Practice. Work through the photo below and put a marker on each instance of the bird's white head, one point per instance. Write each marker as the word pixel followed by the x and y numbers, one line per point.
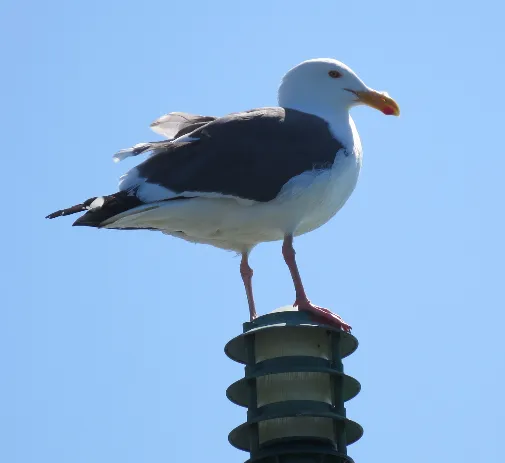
pixel 328 85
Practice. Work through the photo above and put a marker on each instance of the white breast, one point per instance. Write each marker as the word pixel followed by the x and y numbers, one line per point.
pixel 337 184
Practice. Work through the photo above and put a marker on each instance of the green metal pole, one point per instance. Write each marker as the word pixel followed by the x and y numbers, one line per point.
pixel 302 417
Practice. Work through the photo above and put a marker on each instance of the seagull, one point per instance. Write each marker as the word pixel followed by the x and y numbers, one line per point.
pixel 265 174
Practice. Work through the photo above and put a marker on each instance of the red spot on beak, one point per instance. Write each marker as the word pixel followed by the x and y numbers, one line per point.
pixel 388 111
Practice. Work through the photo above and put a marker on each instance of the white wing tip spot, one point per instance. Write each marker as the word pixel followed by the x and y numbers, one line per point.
pixel 97 203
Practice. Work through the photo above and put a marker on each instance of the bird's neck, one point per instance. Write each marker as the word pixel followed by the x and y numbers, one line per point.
pixel 342 127
pixel 341 124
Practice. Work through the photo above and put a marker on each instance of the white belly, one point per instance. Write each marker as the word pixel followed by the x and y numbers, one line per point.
pixel 304 204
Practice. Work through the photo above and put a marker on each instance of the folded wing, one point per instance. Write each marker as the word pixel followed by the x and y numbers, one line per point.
pixel 248 155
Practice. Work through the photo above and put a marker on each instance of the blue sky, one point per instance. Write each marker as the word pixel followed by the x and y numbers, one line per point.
pixel 111 343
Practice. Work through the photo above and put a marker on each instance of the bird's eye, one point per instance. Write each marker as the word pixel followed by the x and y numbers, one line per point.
pixel 334 74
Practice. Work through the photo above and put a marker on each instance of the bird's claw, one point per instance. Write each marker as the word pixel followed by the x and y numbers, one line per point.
pixel 322 314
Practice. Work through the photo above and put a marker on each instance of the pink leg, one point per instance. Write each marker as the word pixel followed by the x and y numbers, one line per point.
pixel 247 274
pixel 302 302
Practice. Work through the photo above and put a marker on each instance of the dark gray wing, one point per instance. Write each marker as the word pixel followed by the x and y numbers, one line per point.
pixel 249 155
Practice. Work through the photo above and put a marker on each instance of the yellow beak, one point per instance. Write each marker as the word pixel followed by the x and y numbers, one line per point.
pixel 381 101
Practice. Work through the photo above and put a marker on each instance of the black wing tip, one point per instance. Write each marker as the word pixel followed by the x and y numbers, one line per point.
pixel 111 205
pixel 86 221
pixel 62 213
pixel 83 221
pixel 69 211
